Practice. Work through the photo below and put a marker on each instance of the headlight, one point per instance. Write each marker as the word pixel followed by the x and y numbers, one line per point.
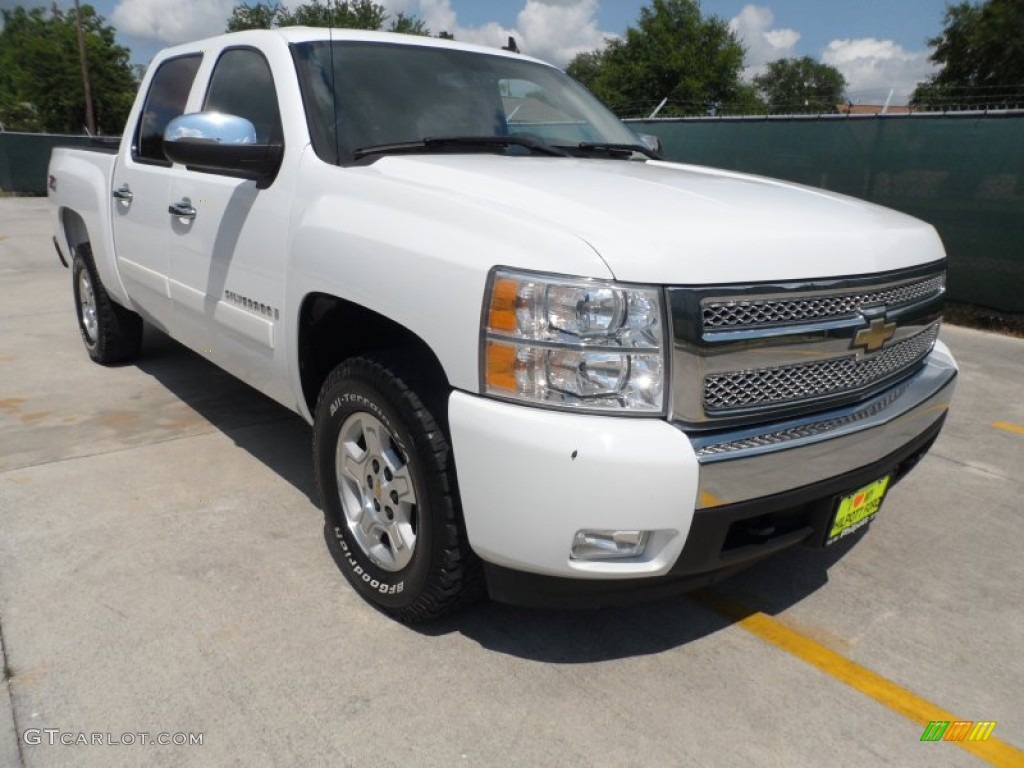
pixel 583 344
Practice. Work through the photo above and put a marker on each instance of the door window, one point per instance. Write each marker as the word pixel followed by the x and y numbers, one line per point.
pixel 168 94
pixel 242 85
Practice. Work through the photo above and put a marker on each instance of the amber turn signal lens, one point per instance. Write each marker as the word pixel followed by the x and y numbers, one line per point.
pixel 501 366
pixel 502 313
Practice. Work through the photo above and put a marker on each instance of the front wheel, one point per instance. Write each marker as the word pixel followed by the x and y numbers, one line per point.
pixel 387 484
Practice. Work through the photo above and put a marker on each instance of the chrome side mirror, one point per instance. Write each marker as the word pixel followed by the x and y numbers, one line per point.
pixel 210 127
pixel 650 141
pixel 212 142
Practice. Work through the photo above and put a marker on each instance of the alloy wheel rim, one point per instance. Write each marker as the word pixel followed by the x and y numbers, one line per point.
pixel 87 306
pixel 377 494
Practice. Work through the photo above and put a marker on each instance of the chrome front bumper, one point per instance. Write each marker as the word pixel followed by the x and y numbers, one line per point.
pixel 755 462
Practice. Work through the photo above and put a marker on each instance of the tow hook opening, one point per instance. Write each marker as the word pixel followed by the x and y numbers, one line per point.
pixel 760 530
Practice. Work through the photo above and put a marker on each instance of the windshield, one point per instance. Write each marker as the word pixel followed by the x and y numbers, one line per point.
pixel 389 94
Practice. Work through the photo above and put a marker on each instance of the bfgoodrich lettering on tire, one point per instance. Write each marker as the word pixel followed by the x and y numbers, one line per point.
pixel 387 486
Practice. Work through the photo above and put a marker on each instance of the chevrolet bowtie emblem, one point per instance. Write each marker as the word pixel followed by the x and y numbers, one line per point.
pixel 874 336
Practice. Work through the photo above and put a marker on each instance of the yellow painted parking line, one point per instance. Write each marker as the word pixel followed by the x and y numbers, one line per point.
pixel 860 678
pixel 1008 427
pixel 708 499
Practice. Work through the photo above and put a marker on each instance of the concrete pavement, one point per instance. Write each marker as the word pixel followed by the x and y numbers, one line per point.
pixel 163 570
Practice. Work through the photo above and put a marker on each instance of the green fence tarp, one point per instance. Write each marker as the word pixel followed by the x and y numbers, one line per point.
pixel 24 158
pixel 964 174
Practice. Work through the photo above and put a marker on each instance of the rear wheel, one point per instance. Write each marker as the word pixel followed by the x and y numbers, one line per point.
pixel 111 333
pixel 387 484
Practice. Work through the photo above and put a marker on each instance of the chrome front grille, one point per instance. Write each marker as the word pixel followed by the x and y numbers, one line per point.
pixel 803 431
pixel 755 353
pixel 777 311
pixel 771 386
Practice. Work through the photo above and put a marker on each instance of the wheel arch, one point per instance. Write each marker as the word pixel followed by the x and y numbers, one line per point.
pixel 76 233
pixel 332 329
pixel 74 228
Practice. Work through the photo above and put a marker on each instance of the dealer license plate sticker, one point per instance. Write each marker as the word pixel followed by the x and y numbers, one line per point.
pixel 857 509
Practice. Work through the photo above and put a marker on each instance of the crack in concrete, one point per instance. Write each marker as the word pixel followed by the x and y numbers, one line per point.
pixel 10 696
pixel 977 467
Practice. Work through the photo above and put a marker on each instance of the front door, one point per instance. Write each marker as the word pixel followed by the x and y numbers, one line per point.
pixel 227 254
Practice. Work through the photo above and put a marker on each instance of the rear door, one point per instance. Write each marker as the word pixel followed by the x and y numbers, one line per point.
pixel 141 190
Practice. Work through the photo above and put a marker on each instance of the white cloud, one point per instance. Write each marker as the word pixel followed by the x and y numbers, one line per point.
pixel 872 67
pixel 558 31
pixel 553 30
pixel 171 21
pixel 753 28
pixel 438 15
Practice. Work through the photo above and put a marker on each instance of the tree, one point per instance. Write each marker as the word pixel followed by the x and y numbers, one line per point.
pixel 345 14
pixel 981 55
pixel 254 16
pixel 409 25
pixel 672 52
pixel 41 77
pixel 747 101
pixel 354 14
pixel 793 86
pixel 587 66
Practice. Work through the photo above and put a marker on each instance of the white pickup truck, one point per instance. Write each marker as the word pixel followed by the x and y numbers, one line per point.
pixel 538 359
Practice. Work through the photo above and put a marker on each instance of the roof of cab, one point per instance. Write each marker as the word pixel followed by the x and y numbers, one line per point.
pixel 311 34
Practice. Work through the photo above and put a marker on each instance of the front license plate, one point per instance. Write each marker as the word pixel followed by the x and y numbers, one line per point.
pixel 857 509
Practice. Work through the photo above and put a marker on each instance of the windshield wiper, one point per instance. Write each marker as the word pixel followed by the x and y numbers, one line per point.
pixel 604 146
pixel 447 142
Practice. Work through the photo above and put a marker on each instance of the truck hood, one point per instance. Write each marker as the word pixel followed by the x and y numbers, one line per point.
pixel 658 222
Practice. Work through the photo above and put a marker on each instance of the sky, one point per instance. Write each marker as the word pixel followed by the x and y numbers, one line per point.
pixel 878 45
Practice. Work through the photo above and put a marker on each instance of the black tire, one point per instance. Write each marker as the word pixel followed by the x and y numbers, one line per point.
pixel 442 573
pixel 111 333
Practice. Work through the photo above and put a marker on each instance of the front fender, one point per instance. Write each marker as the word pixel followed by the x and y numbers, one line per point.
pixel 417 256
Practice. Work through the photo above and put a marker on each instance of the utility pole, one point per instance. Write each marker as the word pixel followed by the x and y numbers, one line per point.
pixel 90 118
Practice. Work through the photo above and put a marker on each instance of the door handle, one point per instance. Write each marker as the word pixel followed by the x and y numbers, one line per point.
pixel 124 193
pixel 183 209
